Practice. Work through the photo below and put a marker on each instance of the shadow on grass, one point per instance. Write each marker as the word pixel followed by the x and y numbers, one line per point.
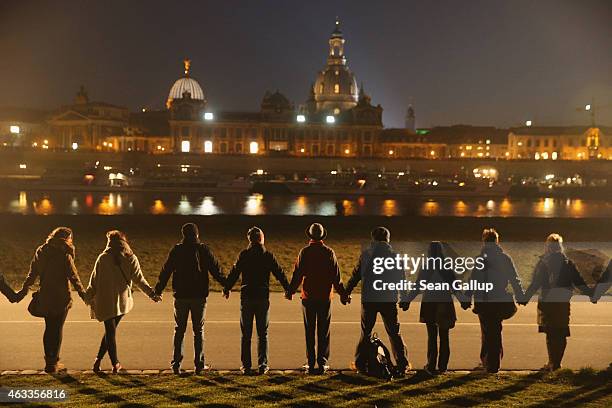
pixel 80 388
pixel 135 382
pixel 594 386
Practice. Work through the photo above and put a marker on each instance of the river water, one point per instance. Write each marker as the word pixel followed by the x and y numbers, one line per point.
pixel 75 203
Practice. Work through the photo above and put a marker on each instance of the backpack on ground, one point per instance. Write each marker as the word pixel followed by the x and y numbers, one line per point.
pixel 379 359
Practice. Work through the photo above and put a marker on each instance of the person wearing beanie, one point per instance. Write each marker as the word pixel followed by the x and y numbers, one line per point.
pixel 254 265
pixel 189 263
pixel 316 269
pixel 374 301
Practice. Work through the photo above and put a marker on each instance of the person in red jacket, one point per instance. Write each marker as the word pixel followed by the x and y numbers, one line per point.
pixel 316 269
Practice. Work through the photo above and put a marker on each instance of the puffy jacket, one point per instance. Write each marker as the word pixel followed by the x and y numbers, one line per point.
pixel 53 264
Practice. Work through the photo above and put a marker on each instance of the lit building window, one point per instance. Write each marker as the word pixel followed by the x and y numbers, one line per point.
pixel 208 116
pixel 336 88
pixel 254 147
pixel 347 151
pixel 433 153
pixel 300 118
pixel 330 119
pixel 391 152
pixel 554 155
pixel 208 147
pixel 75 146
pixel 545 155
pixel 15 129
pixel 537 156
pixel 185 146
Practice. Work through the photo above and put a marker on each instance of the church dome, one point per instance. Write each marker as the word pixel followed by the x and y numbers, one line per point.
pixel 335 88
pixel 184 85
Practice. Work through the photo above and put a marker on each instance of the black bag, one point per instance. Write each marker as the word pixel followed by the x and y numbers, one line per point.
pixel 34 306
pixel 379 359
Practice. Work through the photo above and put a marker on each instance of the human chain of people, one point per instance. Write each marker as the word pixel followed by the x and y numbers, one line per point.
pixel 191 264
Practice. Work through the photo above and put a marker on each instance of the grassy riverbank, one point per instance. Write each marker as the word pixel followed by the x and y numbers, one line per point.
pixel 152 236
pixel 586 388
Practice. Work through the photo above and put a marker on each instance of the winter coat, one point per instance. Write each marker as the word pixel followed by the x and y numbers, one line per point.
pixel 364 272
pixel 317 270
pixel 5 289
pixel 556 276
pixel 255 264
pixel 111 282
pixel 189 264
pixel 436 305
pixel 500 271
pixel 53 264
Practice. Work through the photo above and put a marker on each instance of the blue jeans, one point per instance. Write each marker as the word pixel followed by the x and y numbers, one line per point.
pixel 258 310
pixel 182 309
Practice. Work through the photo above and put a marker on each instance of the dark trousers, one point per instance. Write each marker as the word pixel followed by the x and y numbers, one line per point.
pixel 491 350
pixel 433 358
pixel 388 312
pixel 556 341
pixel 52 338
pixel 109 340
pixel 182 309
pixel 258 310
pixel 317 319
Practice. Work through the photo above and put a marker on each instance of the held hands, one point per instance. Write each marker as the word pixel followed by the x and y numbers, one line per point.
pixel 288 295
pixel 345 299
pixel 466 305
pixel 226 293
pixel 19 296
pixel 157 297
pixel 404 306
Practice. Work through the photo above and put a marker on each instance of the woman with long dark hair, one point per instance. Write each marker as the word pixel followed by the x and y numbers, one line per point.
pixel 437 308
pixel 110 292
pixel 53 265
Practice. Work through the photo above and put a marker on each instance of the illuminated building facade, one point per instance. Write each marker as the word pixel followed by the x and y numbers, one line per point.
pixel 560 143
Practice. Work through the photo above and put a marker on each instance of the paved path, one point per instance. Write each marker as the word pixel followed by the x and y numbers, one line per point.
pixel 145 336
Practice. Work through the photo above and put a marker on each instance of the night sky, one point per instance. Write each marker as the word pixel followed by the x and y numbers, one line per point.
pixel 473 62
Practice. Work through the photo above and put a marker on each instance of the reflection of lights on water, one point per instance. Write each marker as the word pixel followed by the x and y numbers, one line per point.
pixel 361 201
pixel 110 204
pixel 23 199
pixel 349 208
pixel 184 206
pixel 505 207
pixel 44 207
pixel 430 208
pixel 158 207
pixel 545 206
pixel 389 208
pixel 577 208
pixel 89 200
pixel 208 207
pixel 299 206
pixel 254 205
pixel 460 208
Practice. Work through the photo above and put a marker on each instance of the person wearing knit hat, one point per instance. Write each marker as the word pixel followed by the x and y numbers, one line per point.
pixel 317 271
pixel 254 264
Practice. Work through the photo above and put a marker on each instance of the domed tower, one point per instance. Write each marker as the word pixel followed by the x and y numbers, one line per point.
pixel 335 88
pixel 185 87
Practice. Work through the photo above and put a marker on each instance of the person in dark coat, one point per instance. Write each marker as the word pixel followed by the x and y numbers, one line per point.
pixel 556 277
pixel 53 265
pixel 316 269
pixel 255 264
pixel 374 301
pixel 497 305
pixel 603 284
pixel 437 308
pixel 189 263
pixel 7 291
